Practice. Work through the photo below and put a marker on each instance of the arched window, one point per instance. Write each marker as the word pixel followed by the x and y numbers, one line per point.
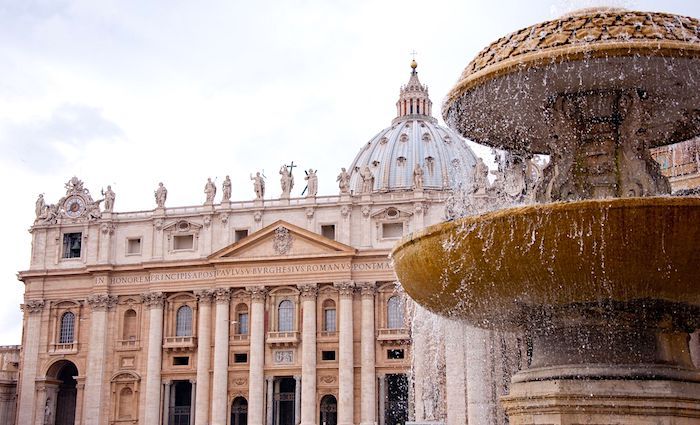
pixel 285 316
pixel 329 324
pixel 126 401
pixel 394 312
pixel 130 330
pixel 329 410
pixel 67 328
pixel 183 322
pixel 242 319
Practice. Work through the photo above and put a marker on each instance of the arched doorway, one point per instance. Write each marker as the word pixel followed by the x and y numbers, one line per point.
pixel 63 372
pixel 239 411
pixel 329 410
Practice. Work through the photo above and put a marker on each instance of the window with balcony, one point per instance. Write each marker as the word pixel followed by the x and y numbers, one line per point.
pixel 329 322
pixel 395 309
pixel 183 321
pixel 285 316
pixel 243 323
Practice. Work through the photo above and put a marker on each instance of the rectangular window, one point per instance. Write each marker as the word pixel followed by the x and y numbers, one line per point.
pixel 240 357
pixel 329 320
pixel 392 230
pixel 181 361
pixel 328 356
pixel 71 245
pixel 183 242
pixel 133 246
pixel 240 234
pixel 328 231
pixel 243 323
pixel 395 354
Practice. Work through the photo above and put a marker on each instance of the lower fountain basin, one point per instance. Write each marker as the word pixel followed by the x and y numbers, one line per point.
pixel 495 270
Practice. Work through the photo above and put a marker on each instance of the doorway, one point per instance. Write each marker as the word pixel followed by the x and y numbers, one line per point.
pixel 180 407
pixel 329 410
pixel 285 389
pixel 239 411
pixel 396 412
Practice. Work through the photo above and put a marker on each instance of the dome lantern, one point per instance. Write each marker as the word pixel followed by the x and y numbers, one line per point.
pixel 413 98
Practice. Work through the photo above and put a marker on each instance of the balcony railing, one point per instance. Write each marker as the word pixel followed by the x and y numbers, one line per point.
pixel 239 339
pixel 128 344
pixel 177 343
pixel 56 348
pixel 394 335
pixel 287 339
pixel 327 335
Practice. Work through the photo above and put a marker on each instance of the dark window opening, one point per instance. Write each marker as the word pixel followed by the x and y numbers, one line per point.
pixel 328 355
pixel 328 231
pixel 240 357
pixel 181 361
pixel 240 234
pixel 71 245
pixel 395 354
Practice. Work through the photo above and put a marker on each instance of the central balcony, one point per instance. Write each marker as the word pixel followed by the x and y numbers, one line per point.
pixel 283 339
pixel 393 336
pixel 179 343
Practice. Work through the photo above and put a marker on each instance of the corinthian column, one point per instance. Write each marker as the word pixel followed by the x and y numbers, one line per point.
pixel 30 356
pixel 308 357
pixel 201 411
pixel 219 385
pixel 256 379
pixel 93 405
pixel 345 356
pixel 154 302
pixel 368 380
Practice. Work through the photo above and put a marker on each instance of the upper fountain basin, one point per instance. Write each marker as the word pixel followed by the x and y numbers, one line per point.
pixel 501 97
pixel 491 269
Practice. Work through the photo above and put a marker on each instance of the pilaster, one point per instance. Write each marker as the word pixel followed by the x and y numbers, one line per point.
pixel 201 402
pixel 154 303
pixel 94 405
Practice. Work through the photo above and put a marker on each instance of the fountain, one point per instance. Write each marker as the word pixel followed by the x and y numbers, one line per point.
pixel 603 274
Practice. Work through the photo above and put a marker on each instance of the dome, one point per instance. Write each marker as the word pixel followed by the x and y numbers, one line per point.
pixel 413 138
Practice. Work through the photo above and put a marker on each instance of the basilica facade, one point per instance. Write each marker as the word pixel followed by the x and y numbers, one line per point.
pixel 275 310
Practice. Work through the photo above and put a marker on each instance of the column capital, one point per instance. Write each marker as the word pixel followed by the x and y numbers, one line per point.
pixel 101 301
pixel 345 288
pixel 204 296
pixel 308 291
pixel 153 299
pixel 367 289
pixel 33 306
pixel 222 295
pixel 257 293
pixel 297 378
pixel 269 379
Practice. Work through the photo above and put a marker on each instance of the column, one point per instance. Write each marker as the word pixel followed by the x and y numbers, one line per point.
pixel 193 398
pixel 30 355
pixel 382 398
pixel 455 368
pixel 167 393
pixel 480 406
pixel 270 398
pixel 93 405
pixel 256 378
pixel 346 373
pixel 308 358
pixel 79 395
pixel 220 380
pixel 368 395
pixel 154 302
pixel 201 402
pixel 297 399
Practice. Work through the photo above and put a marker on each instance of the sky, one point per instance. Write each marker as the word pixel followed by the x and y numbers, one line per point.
pixel 130 93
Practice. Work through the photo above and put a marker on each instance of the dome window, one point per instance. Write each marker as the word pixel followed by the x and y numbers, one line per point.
pixel 383 140
pixel 430 163
pixel 447 139
pixel 455 162
pixel 404 138
pixel 401 160
pixel 375 163
pixel 426 137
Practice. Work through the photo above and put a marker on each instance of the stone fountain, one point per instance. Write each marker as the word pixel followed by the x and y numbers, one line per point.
pixel 603 274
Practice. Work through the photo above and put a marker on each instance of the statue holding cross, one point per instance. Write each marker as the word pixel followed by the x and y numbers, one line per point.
pixel 286 180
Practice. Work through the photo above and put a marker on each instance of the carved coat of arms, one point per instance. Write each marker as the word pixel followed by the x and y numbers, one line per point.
pixel 282 242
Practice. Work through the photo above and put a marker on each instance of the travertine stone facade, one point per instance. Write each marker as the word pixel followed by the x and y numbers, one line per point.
pixel 270 311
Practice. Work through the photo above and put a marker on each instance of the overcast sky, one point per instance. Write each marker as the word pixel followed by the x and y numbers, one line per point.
pixel 130 93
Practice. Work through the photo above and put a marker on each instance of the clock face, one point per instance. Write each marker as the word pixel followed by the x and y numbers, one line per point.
pixel 74 206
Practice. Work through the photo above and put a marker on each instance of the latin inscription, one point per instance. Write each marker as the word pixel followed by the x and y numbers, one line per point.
pixel 244 271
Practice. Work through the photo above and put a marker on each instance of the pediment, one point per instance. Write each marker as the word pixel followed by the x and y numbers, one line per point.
pixel 182 226
pixel 282 240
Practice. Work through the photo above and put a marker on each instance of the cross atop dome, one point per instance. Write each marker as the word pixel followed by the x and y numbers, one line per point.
pixel 413 97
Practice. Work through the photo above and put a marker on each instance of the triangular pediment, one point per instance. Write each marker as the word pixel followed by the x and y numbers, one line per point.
pixel 282 240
